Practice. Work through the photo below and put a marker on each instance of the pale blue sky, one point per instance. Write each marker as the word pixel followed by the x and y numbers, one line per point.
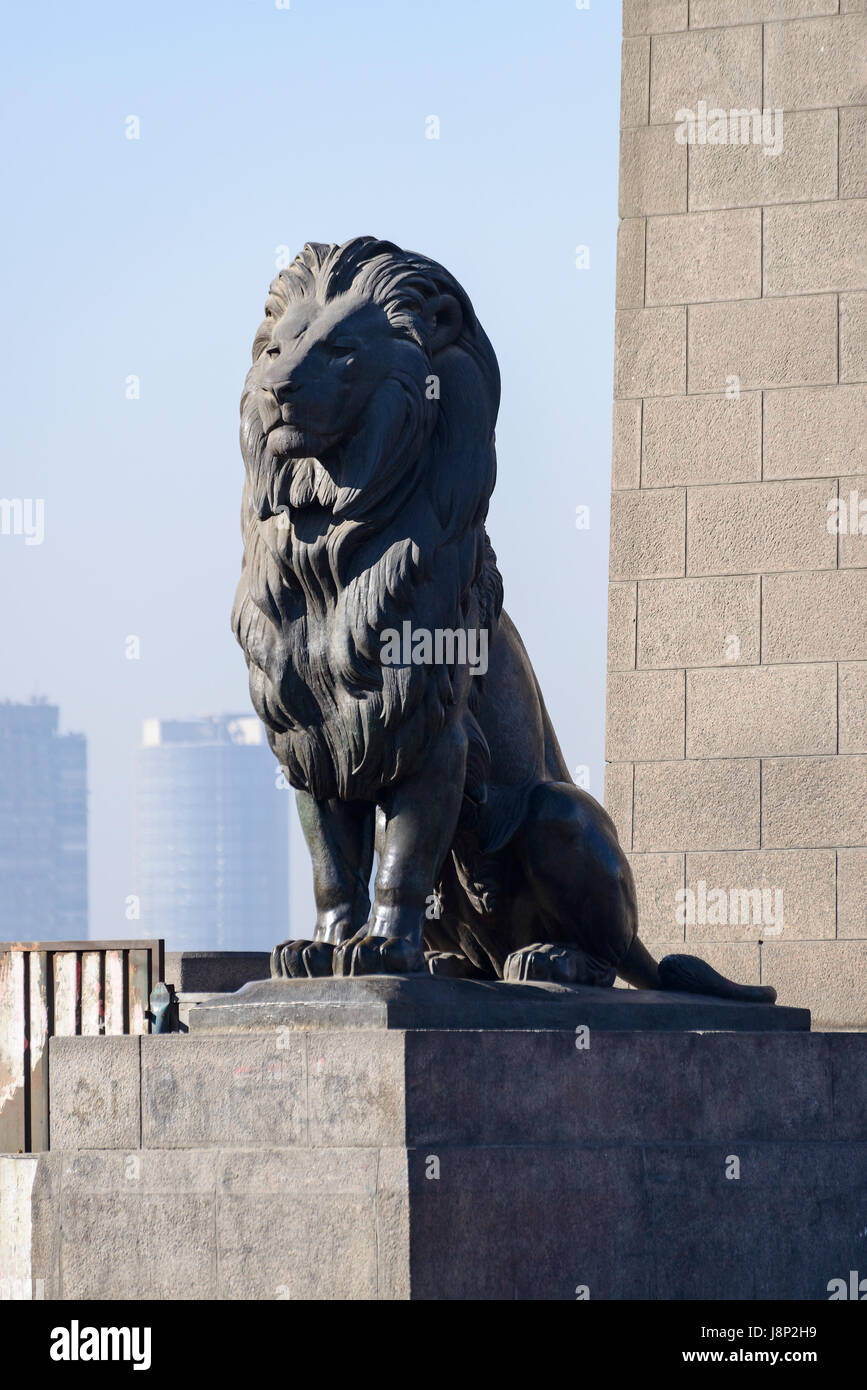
pixel 264 127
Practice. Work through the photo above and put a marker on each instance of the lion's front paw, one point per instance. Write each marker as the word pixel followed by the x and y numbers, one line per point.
pixel 546 962
pixel 378 955
pixel 301 960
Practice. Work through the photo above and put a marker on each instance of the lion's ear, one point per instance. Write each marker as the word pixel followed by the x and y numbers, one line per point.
pixel 444 319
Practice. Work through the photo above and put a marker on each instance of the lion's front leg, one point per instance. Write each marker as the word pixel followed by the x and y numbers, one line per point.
pixel 339 835
pixel 416 832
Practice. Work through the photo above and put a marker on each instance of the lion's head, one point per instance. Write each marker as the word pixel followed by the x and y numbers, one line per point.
pixel 365 353
pixel 367 430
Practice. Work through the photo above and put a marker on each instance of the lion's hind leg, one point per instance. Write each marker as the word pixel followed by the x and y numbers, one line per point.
pixel 453 965
pixel 581 890
pixel 554 963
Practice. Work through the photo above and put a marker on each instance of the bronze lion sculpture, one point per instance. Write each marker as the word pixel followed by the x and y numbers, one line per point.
pixel 367 432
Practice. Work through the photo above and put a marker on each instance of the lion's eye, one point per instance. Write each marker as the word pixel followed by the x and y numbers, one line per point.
pixel 272 351
pixel 340 349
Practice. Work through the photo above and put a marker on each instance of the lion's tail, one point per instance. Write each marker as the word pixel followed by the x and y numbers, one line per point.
pixel 687 975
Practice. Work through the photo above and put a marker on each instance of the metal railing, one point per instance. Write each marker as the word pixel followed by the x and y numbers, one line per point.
pixel 63 988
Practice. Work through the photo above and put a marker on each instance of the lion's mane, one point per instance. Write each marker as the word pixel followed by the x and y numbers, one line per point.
pixel 330 562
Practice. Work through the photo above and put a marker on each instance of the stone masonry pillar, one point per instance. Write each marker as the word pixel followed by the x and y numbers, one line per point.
pixel 737 644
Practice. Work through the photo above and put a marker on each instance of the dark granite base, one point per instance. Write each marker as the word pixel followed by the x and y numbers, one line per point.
pixel 427 1001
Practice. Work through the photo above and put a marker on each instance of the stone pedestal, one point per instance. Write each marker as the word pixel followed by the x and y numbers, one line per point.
pixel 423 1002
pixel 316 1158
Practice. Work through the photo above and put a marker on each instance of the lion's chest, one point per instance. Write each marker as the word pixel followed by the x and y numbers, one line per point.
pixel 342 713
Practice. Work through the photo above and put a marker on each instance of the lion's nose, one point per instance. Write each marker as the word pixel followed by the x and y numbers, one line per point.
pixel 280 384
pixel 283 389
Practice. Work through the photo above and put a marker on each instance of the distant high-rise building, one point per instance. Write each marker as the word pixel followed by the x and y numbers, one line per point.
pixel 43 826
pixel 212 835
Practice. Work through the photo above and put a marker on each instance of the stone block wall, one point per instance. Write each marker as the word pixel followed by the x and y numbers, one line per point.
pixel 737 687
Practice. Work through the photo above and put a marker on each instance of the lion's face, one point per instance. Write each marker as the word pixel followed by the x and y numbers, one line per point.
pixel 322 368
pixel 367 431
pixel 369 361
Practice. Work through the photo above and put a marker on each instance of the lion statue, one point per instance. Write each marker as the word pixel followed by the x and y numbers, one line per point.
pixel 367 432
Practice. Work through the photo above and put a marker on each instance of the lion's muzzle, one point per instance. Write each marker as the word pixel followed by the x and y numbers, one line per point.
pixel 269 410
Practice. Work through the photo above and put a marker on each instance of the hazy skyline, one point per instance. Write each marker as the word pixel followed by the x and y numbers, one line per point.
pixel 149 258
